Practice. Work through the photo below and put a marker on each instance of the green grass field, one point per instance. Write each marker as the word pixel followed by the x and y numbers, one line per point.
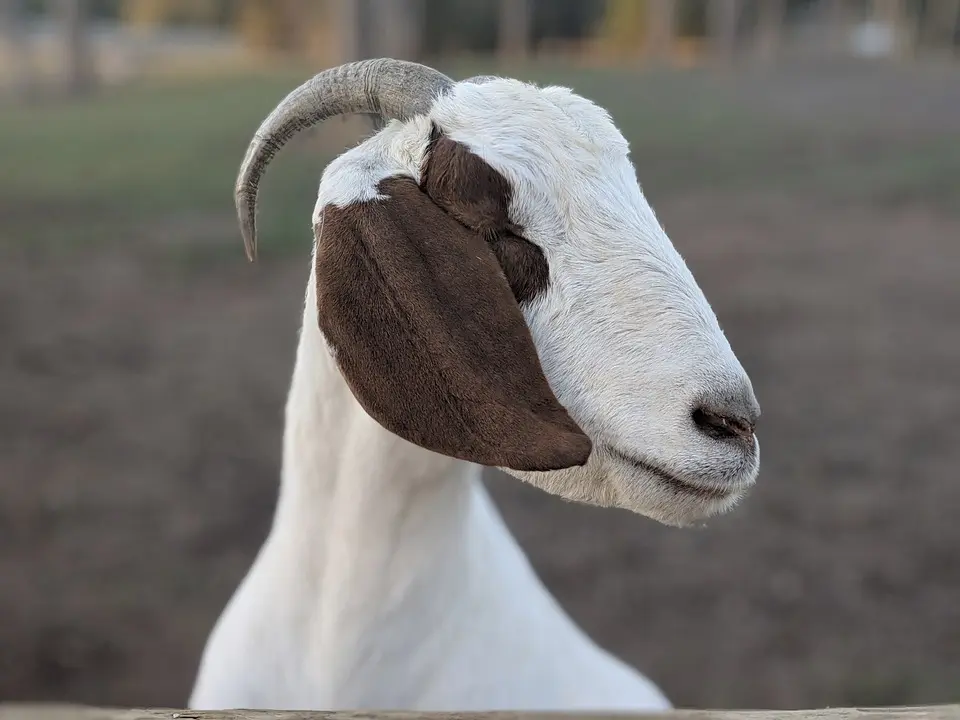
pixel 94 171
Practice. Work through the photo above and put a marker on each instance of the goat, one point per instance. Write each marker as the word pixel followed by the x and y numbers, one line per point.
pixel 489 287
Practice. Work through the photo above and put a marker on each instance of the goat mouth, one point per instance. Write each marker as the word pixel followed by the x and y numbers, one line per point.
pixel 670 480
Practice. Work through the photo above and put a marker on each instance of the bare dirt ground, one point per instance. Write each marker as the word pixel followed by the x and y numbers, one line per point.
pixel 140 423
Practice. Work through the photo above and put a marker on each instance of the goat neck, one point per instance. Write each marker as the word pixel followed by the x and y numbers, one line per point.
pixel 390 580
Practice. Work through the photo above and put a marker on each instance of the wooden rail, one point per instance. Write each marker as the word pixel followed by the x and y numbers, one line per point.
pixel 32 711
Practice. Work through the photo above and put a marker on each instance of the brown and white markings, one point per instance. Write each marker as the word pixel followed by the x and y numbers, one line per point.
pixel 489 287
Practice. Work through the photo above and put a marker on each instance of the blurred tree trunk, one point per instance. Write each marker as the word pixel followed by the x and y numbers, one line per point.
pixel 80 76
pixel 940 23
pixel 272 25
pixel 354 27
pixel 396 28
pixel 292 18
pixel 625 26
pixel 258 24
pixel 143 13
pixel 16 46
pixel 893 14
pixel 151 13
pixel 513 28
pixel 205 12
pixel 722 19
pixel 661 29
pixel 350 19
pixel 772 15
pixel 837 17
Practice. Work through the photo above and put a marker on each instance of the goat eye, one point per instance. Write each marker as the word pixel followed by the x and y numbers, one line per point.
pixel 523 264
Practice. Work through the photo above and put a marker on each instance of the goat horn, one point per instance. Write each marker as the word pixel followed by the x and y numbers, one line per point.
pixel 387 88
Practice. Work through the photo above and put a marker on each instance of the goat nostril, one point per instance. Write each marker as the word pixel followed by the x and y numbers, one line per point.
pixel 721 427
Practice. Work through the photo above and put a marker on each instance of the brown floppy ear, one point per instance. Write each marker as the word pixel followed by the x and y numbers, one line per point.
pixel 429 337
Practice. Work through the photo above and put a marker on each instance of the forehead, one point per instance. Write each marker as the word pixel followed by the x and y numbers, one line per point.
pixel 566 162
pixel 520 119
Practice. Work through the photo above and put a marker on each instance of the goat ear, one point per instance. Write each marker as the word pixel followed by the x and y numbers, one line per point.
pixel 427 333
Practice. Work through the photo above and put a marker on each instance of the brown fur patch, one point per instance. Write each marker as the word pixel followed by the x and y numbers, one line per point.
pixel 426 329
pixel 479 197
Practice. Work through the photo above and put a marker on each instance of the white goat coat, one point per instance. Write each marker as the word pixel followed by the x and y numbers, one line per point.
pixel 389 580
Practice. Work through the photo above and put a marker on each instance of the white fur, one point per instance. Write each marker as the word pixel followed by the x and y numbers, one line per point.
pixel 389 579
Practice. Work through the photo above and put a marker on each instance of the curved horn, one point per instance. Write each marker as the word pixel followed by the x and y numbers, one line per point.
pixel 390 89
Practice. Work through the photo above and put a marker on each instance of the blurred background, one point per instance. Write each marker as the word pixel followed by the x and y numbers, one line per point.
pixel 804 156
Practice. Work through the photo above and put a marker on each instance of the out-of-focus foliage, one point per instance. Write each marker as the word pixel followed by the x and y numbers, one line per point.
pixel 173 12
pixel 465 25
pixel 624 23
pixel 471 25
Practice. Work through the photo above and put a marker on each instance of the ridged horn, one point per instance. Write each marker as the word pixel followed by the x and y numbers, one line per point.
pixel 390 89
